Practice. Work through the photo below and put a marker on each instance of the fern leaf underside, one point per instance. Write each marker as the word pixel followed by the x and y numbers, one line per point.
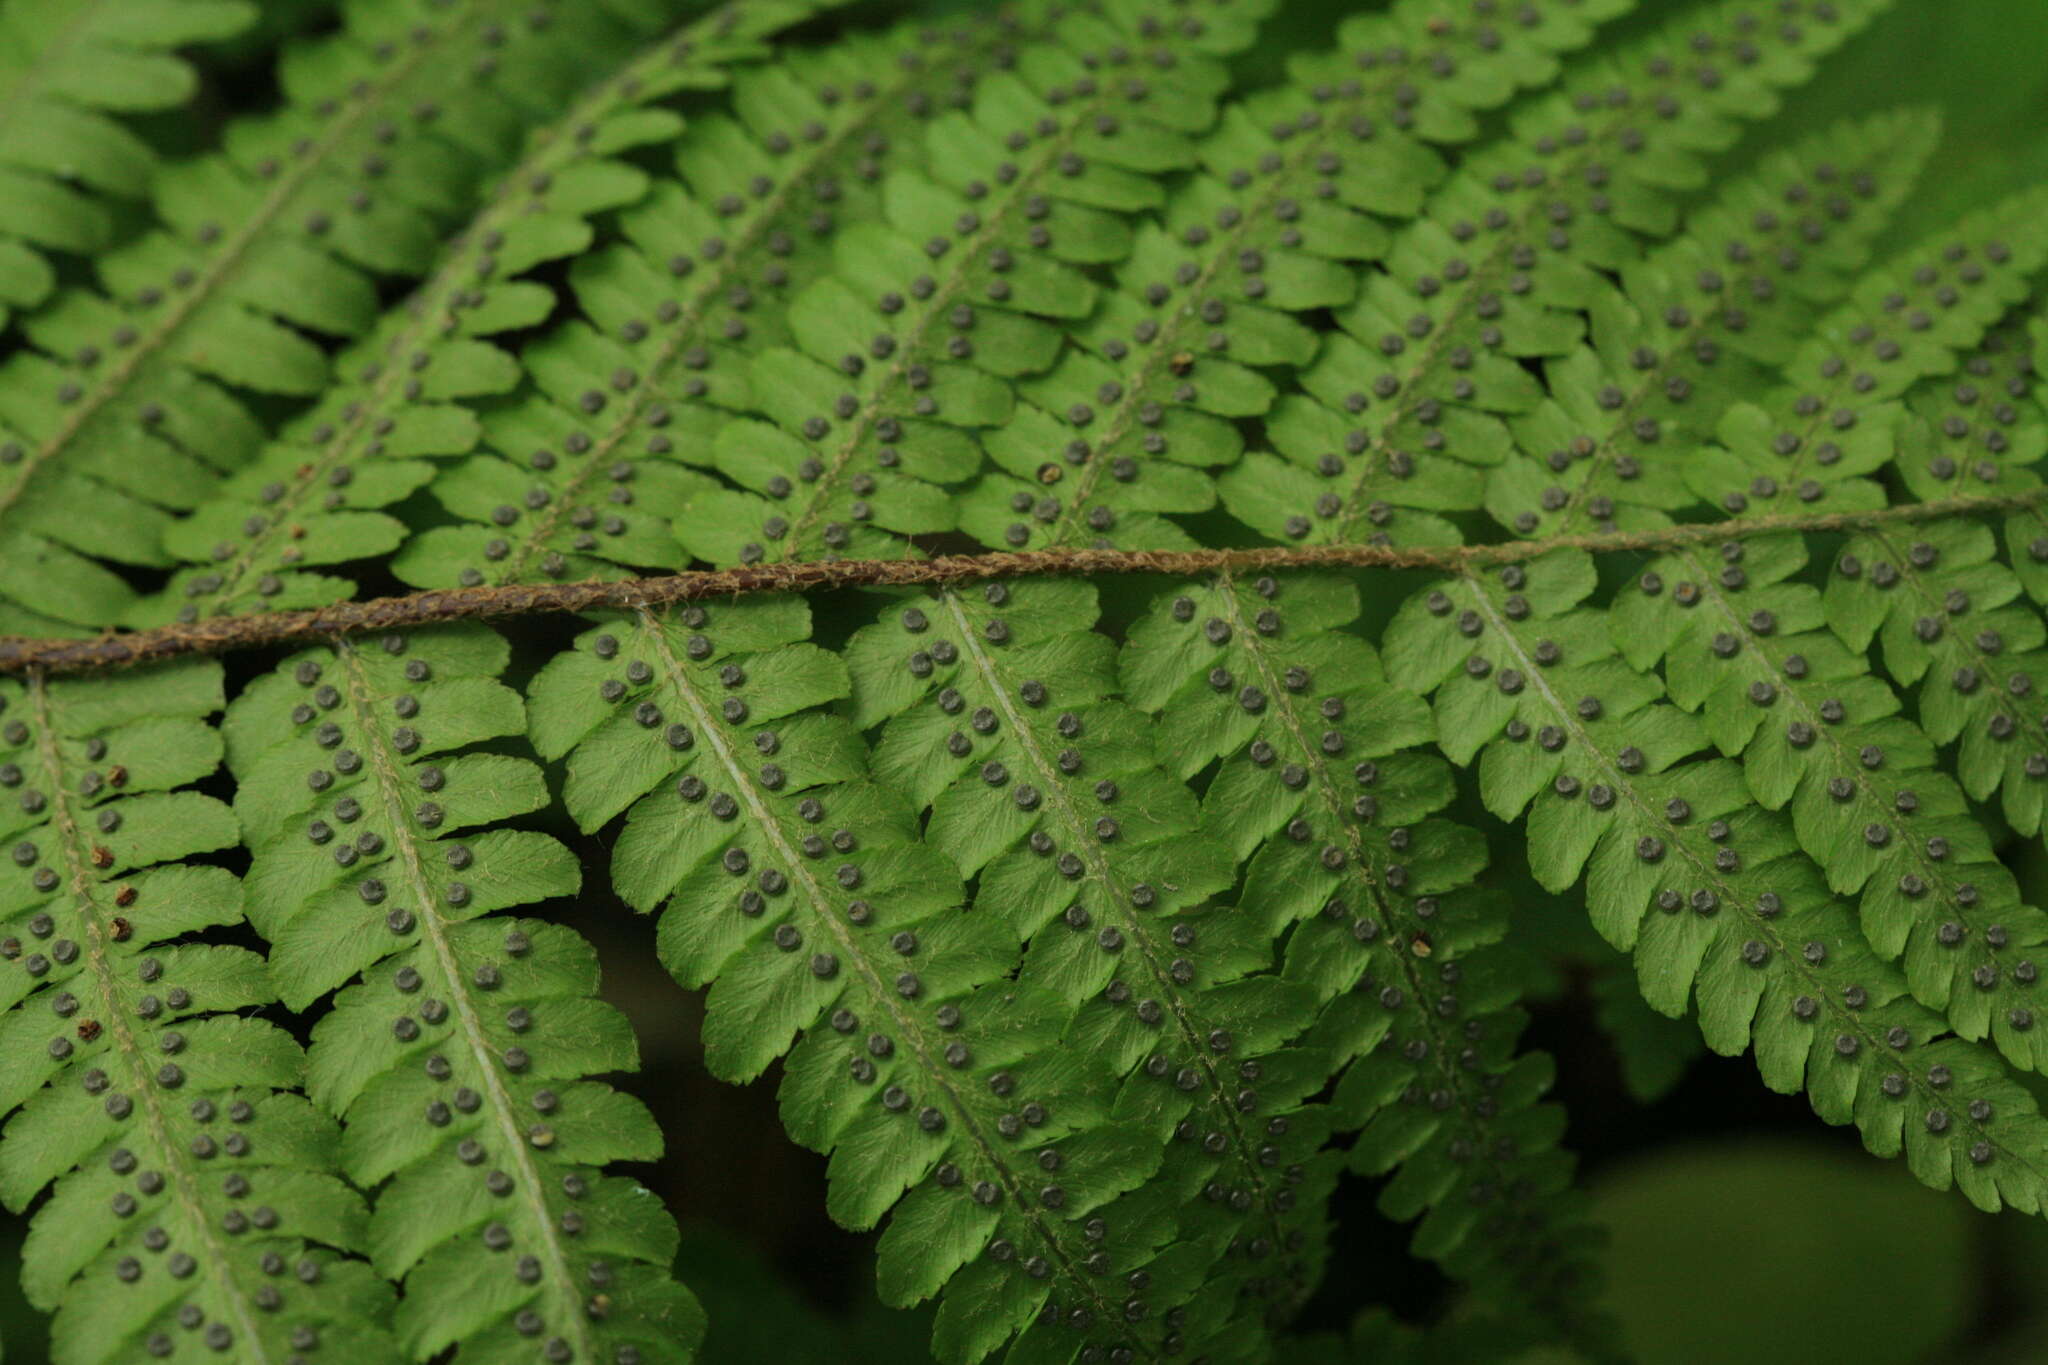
pixel 1097 928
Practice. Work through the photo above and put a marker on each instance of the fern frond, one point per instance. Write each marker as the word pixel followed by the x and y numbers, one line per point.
pixel 1698 325
pixel 1325 790
pixel 674 313
pixel 1955 619
pixel 910 344
pixel 1984 427
pixel 1838 421
pixel 195 1211
pixel 1817 734
pixel 1685 869
pixel 1496 269
pixel 316 497
pixel 798 891
pixel 122 415
pixel 1294 188
pixel 1000 720
pixel 66 73
pixel 458 1055
pixel 1101 907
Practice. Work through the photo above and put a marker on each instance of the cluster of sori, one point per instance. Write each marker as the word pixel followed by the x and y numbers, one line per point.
pixel 1097 924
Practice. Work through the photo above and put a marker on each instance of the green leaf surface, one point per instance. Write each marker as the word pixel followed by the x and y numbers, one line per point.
pixel 131 1076
pixel 456 1047
pixel 1100 910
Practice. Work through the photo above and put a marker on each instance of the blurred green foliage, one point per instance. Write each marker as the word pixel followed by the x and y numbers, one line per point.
pixel 1784 1250
pixel 757 1316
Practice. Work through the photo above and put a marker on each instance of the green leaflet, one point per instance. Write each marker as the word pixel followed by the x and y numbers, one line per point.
pixel 188 1179
pixel 1496 269
pixel 121 416
pixel 457 1046
pixel 1124 428
pixel 1324 789
pixel 318 497
pixel 1821 737
pixel 797 891
pixel 584 472
pixel 1983 428
pixel 908 346
pixel 1052 795
pixel 1951 616
pixel 1839 420
pixel 67 72
pixel 1699 323
pixel 1708 889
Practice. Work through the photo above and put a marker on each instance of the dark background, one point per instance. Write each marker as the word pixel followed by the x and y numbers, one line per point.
pixel 1737 1219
